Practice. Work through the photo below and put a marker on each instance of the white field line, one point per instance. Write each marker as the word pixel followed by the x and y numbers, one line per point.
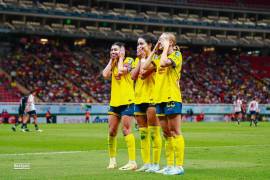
pixel 76 152
pixel 43 153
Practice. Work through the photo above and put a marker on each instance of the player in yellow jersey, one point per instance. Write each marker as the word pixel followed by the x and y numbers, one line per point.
pixel 121 104
pixel 144 110
pixel 167 96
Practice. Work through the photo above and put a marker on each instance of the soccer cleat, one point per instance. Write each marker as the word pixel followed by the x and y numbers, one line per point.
pixel 39 130
pixel 174 171
pixel 144 168
pixel 25 130
pixel 161 171
pixel 13 128
pixel 131 165
pixel 153 168
pixel 112 164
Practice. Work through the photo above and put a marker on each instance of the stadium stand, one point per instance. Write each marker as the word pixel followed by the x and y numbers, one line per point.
pixel 33 71
pixel 223 79
pixel 105 19
pixel 8 89
pixel 70 74
pixel 66 73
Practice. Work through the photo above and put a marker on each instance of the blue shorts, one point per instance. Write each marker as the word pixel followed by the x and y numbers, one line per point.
pixel 127 110
pixel 253 112
pixel 140 109
pixel 168 108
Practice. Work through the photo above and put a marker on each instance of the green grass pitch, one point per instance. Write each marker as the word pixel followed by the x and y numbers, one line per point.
pixel 79 151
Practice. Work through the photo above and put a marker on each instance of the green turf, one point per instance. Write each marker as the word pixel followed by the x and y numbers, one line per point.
pixel 213 151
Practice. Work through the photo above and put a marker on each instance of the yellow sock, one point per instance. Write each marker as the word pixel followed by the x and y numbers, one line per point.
pixel 169 151
pixel 130 140
pixel 179 150
pixel 112 144
pixel 156 143
pixel 145 145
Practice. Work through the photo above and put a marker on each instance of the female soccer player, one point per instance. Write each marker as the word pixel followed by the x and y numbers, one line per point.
pixel 167 97
pixel 121 104
pixel 144 110
pixel 253 109
pixel 30 111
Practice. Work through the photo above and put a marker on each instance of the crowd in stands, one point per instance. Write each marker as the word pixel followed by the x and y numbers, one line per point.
pixel 81 71
pixel 64 73
pixel 219 79
pixel 8 88
pixel 30 62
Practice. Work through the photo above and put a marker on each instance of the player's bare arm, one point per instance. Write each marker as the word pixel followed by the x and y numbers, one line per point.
pixel 148 63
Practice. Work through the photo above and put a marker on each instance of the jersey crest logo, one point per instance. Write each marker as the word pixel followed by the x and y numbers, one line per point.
pixel 156 56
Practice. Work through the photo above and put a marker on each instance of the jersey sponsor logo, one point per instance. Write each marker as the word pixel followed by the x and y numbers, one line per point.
pixel 156 56
pixel 170 104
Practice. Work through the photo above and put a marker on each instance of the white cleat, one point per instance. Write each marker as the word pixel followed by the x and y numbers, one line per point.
pixel 112 164
pixel 161 171
pixel 144 168
pixel 153 169
pixel 131 165
pixel 39 130
pixel 174 171
pixel 25 130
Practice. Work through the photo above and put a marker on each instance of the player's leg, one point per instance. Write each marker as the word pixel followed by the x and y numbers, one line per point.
pixel 251 119
pixel 256 119
pixel 113 122
pixel 144 138
pixel 18 121
pixel 174 122
pixel 25 119
pixel 239 118
pixel 169 152
pixel 169 147
pixel 34 115
pixel 173 114
pixel 154 128
pixel 130 141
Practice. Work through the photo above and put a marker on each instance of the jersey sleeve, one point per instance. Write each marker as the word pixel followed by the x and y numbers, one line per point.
pixel 176 58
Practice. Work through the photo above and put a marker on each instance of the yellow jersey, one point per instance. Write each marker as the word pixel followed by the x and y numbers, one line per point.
pixel 122 88
pixel 144 87
pixel 167 87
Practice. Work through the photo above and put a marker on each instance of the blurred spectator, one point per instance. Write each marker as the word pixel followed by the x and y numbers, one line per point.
pixel 5 116
pixel 190 115
pixel 87 116
pixel 200 117
pixel 48 117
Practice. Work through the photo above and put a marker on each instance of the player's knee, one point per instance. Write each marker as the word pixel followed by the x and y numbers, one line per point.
pixel 166 133
pixel 112 132
pixel 153 121
pixel 151 117
pixel 175 131
pixel 126 130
